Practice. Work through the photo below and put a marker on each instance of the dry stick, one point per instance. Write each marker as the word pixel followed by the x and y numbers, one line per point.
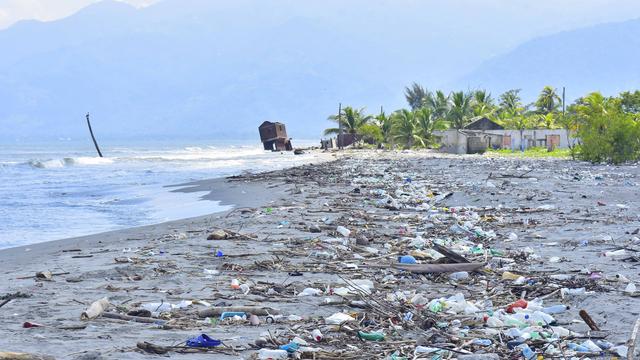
pixel 588 320
pixel 140 319
pixel 633 340
pixel 5 302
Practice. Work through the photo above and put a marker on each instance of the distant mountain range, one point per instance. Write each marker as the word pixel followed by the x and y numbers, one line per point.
pixel 603 58
pixel 217 69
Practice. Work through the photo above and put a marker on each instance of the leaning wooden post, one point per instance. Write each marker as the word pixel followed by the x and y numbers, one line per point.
pixel 340 136
pixel 95 143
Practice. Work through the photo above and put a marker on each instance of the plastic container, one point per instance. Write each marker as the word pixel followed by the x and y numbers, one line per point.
pixel 522 303
pixel 540 318
pixel 343 231
pixel 228 314
pixel 555 309
pixel 407 259
pixel 460 275
pixel 235 284
pixel 269 354
pixel 482 342
pixel 316 335
pixel 527 352
pixel 373 336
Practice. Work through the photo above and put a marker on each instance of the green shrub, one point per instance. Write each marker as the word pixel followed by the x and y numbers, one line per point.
pixel 609 137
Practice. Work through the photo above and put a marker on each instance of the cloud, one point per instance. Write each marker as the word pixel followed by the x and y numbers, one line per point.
pixel 12 11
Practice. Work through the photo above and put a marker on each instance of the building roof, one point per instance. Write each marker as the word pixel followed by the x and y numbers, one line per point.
pixel 268 123
pixel 483 123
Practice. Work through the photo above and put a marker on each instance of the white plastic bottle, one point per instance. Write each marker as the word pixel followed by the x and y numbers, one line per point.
pixel 269 354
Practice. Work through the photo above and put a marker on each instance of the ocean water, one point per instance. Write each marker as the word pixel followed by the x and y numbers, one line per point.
pixel 62 189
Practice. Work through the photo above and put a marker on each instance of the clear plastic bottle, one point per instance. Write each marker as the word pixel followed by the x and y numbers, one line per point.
pixel 493 321
pixel 266 354
pixel 527 352
pixel 555 309
pixel 540 318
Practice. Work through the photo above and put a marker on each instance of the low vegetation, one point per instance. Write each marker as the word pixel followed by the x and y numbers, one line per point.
pixel 601 129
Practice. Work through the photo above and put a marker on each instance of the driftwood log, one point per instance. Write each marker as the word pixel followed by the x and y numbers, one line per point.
pixel 23 356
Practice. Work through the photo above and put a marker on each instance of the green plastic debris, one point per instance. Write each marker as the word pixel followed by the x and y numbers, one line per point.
pixel 396 356
pixel 436 306
pixel 495 252
pixel 373 336
pixel 268 210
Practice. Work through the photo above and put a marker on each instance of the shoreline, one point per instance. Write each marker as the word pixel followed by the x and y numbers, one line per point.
pixel 289 240
pixel 218 189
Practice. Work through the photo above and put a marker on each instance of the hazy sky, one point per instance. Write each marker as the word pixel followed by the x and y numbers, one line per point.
pixel 553 15
pixel 46 10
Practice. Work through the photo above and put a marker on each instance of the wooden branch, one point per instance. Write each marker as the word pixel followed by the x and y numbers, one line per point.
pixel 633 340
pixel 255 310
pixel 139 319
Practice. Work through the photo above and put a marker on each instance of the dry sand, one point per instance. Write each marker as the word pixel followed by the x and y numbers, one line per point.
pixel 168 260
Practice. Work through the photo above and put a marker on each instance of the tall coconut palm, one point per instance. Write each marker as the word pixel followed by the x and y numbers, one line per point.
pixel 459 109
pixel 386 125
pixel 482 103
pixel 438 103
pixel 351 120
pixel 416 95
pixel 510 102
pixel 548 101
pixel 405 128
pixel 427 123
pixel 547 121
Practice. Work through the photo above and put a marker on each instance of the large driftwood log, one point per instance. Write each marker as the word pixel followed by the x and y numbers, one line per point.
pixel 23 356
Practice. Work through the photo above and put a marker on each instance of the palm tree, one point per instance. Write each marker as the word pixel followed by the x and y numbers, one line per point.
pixel 547 120
pixel 460 109
pixel 405 128
pixel 386 125
pixel 510 102
pixel 351 120
pixel 427 123
pixel 438 103
pixel 416 95
pixel 548 101
pixel 482 103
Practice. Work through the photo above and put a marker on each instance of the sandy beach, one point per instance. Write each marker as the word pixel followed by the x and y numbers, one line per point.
pixel 284 235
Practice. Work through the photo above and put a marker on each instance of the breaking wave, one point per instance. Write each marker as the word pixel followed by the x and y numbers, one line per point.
pixel 59 163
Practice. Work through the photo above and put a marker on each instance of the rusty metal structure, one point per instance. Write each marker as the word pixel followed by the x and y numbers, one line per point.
pixel 274 136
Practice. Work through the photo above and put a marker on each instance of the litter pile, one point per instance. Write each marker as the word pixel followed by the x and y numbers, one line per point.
pixel 386 258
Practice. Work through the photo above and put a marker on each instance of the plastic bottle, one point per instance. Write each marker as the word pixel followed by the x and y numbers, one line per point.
pixel 511 321
pixel 540 318
pixel 235 284
pixel 343 231
pixel 493 321
pixel 269 354
pixel 578 348
pixel 290 347
pixel 483 342
pixel 555 309
pixel 373 336
pixel 317 335
pixel 460 275
pixel 228 314
pixel 527 352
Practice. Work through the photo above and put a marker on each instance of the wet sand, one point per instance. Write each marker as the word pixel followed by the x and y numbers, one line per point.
pixel 586 211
